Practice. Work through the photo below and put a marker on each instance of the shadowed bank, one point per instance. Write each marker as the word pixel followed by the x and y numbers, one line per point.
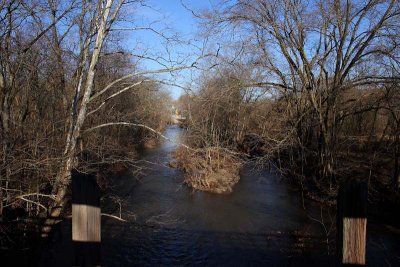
pixel 262 223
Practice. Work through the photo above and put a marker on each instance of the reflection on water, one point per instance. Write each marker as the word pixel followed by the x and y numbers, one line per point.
pixel 262 223
pixel 254 225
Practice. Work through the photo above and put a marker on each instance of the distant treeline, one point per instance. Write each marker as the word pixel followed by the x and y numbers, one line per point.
pixel 312 86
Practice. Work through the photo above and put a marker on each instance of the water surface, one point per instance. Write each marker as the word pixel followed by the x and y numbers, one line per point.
pixel 263 222
pixel 260 223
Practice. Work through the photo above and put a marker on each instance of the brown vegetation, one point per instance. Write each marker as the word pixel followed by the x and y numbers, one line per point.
pixel 311 86
pixel 210 169
pixel 323 81
pixel 65 89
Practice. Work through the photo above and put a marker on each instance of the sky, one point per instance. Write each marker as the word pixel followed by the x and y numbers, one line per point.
pixel 163 14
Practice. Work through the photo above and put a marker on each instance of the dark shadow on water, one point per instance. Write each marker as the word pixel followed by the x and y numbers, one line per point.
pixel 262 223
pixel 134 244
pixel 168 246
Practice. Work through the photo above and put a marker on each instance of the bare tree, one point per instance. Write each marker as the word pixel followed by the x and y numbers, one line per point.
pixel 17 59
pixel 102 17
pixel 311 53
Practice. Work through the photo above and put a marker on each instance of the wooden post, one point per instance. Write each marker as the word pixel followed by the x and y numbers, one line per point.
pixel 352 223
pixel 86 220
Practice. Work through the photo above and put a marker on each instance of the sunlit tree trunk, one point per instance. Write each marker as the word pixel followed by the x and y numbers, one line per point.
pixel 64 177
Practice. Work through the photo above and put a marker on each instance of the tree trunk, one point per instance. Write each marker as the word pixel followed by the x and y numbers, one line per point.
pixel 64 177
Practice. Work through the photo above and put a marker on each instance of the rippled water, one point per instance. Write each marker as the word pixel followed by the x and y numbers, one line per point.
pixel 262 223
pixel 254 225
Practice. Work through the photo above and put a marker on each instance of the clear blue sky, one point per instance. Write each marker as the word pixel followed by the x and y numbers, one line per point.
pixel 165 13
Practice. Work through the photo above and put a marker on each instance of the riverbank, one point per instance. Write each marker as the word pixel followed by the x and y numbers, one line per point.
pixel 361 161
pixel 21 222
pixel 264 221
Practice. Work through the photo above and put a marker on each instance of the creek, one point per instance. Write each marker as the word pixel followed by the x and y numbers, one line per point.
pixel 263 222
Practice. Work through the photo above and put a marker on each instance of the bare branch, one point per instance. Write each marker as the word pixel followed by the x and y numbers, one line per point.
pixel 129 124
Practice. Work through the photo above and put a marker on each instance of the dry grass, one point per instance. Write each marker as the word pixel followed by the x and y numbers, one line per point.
pixel 210 169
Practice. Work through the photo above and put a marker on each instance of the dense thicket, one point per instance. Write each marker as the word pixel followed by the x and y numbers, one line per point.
pixel 314 83
pixel 60 78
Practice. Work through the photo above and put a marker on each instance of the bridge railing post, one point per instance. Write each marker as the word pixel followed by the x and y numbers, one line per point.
pixel 86 220
pixel 352 223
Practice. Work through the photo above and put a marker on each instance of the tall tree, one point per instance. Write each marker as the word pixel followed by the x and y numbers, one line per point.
pixel 312 52
pixel 101 20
